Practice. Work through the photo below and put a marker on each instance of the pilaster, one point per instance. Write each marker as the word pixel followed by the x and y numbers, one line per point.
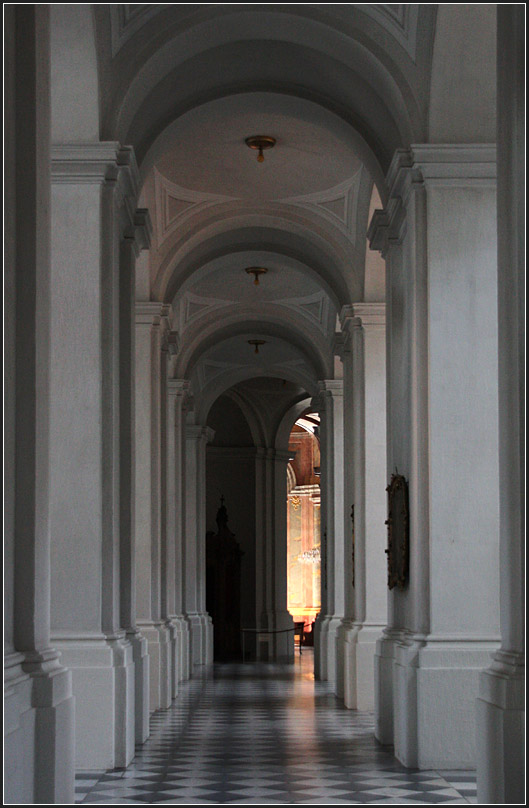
pixel 501 702
pixel 271 531
pixel 332 492
pixel 135 238
pixel 194 546
pixel 39 707
pixel 152 323
pixel 365 457
pixel 438 237
pixel 94 189
pixel 177 391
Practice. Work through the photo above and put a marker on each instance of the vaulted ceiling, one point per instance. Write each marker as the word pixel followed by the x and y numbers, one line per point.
pixel 339 87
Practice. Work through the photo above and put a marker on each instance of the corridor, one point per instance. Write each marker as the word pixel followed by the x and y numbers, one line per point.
pixel 267 734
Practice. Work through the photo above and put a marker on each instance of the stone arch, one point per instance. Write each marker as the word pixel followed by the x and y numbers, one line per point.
pixel 346 42
pixel 240 321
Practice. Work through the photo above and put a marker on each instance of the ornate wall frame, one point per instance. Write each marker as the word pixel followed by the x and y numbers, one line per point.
pixel 353 545
pixel 398 521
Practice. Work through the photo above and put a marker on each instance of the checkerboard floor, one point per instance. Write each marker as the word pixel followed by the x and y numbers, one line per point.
pixel 267 734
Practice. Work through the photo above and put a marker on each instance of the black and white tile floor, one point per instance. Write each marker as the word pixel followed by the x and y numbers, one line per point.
pixel 267 734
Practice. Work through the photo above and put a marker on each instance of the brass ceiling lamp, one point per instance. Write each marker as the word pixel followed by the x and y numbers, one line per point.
pixel 256 271
pixel 260 143
pixel 257 343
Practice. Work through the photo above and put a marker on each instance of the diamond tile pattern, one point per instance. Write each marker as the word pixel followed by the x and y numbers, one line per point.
pixel 266 734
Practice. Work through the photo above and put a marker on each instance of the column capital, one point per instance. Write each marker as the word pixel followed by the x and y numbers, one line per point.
pixel 198 432
pixel 140 230
pixel 363 315
pixel 151 313
pixel 333 387
pixel 279 456
pixel 171 339
pixel 317 403
pixel 178 387
pixel 339 344
pixel 455 164
pixel 426 165
pixel 84 163
pixel 97 162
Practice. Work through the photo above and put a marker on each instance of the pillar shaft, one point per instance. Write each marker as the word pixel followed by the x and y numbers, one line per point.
pixel 176 395
pixel 136 238
pixel 90 185
pixel 271 549
pixel 332 494
pixel 201 629
pixel 439 235
pixel 39 708
pixel 151 325
pixel 365 471
pixel 501 703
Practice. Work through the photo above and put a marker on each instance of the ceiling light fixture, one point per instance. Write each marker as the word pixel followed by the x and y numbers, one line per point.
pixel 260 143
pixel 256 271
pixel 256 342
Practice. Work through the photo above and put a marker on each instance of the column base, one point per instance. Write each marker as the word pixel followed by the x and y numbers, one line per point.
pixel 501 731
pixel 359 641
pixel 102 671
pixel 158 644
pixel 179 630
pixel 184 666
pixel 318 655
pixel 200 639
pixel 435 682
pixel 38 730
pixel 277 647
pixel 383 681
pixel 328 648
pixel 140 655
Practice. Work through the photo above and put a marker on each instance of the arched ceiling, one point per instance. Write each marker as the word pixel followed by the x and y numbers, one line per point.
pixel 339 88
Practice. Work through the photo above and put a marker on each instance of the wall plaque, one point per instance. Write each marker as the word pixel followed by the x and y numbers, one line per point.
pixel 398 550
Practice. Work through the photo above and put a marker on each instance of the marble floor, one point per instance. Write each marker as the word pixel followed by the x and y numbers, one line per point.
pixel 267 734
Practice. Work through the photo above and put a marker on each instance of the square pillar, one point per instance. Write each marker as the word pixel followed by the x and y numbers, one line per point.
pixel 194 546
pixel 365 470
pixel 90 183
pixel 39 708
pixel 501 702
pixel 332 494
pixel 137 237
pixel 439 233
pixel 271 544
pixel 151 324
pixel 177 391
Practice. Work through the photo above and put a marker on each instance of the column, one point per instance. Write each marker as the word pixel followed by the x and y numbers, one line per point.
pixel 365 473
pixel 194 546
pixel 501 707
pixel 332 457
pixel 137 237
pixel 91 184
pixel 439 229
pixel 320 646
pixel 39 708
pixel 151 321
pixel 177 390
pixel 271 499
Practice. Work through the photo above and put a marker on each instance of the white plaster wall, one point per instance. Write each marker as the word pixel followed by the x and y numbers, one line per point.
pixel 464 504
pixel 74 86
pixel 375 471
pixel 462 90
pixel 75 464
